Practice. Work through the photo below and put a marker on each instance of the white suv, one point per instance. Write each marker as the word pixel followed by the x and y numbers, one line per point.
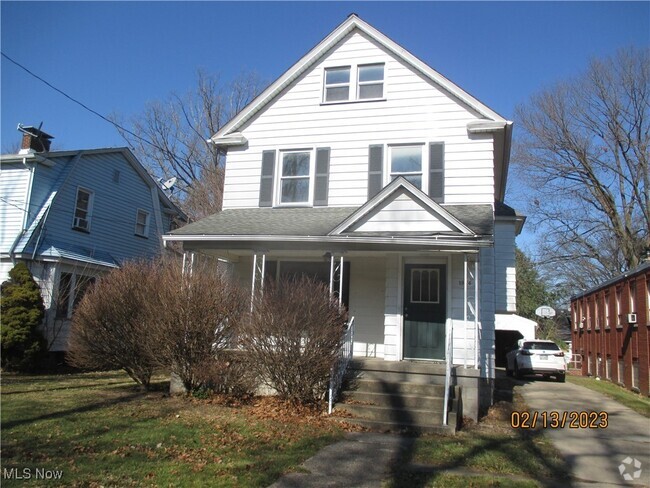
pixel 536 357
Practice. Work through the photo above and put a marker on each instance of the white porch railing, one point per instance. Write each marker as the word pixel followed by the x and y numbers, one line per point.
pixel 341 364
pixel 449 362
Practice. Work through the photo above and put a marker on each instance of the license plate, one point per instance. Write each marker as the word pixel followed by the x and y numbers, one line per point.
pixel 543 356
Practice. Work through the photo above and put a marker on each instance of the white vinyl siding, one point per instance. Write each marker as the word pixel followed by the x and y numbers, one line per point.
pixel 414 111
pixel 402 214
pixel 14 182
pixel 504 260
pixel 367 289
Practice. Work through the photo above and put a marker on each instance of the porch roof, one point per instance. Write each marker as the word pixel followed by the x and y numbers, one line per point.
pixel 308 222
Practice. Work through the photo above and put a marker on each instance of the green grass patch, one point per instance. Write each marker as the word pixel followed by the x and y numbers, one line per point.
pixel 446 480
pixel 488 454
pixel 99 429
pixel 636 401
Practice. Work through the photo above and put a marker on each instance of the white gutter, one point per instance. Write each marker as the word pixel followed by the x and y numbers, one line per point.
pixel 471 241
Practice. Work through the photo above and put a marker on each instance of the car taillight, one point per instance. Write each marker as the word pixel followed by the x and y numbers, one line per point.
pixel 525 352
pixel 559 354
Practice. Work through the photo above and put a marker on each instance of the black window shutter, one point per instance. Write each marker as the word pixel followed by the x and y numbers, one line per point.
pixel 266 182
pixel 375 169
pixel 322 176
pixel 437 171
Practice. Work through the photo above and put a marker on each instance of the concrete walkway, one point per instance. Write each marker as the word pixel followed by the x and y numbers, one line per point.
pixel 361 460
pixel 594 455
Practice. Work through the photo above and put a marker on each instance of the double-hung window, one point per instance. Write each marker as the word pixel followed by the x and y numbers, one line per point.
pixel 337 84
pixel 354 83
pixel 142 223
pixel 83 210
pixel 371 81
pixel 295 177
pixel 406 161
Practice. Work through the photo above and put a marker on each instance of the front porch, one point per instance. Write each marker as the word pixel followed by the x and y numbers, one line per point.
pixel 380 289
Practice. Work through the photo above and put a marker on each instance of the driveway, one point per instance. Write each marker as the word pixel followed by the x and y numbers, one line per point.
pixel 594 454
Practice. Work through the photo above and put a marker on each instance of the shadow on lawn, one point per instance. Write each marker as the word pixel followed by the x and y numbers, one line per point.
pixel 72 411
pixel 404 474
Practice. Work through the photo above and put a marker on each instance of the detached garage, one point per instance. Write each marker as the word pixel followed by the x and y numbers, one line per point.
pixel 509 328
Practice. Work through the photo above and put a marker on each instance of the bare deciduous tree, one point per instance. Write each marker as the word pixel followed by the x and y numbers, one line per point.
pixel 584 155
pixel 179 128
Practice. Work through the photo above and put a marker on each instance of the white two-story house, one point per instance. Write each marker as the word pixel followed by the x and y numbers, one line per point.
pixel 364 166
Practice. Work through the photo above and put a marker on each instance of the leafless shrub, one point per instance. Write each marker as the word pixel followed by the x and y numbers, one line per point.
pixel 111 325
pixel 230 374
pixel 197 316
pixel 292 338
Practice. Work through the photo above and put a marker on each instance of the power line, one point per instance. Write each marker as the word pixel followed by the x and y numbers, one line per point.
pixel 114 124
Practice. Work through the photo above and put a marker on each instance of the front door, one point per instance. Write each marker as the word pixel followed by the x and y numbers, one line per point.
pixel 425 311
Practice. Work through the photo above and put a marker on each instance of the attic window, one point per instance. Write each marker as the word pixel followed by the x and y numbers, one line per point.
pixel 371 81
pixel 337 84
pixel 356 83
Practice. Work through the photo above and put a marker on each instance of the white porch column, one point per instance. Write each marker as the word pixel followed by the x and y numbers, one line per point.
pixel 188 263
pixel 336 273
pixel 259 268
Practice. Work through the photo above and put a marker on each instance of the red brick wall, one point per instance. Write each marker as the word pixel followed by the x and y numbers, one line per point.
pixel 594 337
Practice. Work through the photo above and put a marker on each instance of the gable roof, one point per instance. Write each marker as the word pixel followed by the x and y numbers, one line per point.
pixel 353 22
pixel 397 187
pixel 25 242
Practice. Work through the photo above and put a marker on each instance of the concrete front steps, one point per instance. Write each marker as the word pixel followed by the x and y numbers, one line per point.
pixel 405 396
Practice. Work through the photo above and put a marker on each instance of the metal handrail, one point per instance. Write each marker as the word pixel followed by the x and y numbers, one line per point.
pixel 341 364
pixel 450 352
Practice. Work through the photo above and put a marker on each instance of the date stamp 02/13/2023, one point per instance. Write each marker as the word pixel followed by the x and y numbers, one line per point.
pixel 559 420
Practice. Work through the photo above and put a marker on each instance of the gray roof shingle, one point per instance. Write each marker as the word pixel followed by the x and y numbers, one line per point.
pixel 317 221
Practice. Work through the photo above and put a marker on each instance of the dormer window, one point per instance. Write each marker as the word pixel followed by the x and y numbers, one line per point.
pixel 337 84
pixel 354 83
pixel 371 81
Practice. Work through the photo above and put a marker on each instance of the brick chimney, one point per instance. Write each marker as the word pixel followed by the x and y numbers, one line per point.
pixel 34 140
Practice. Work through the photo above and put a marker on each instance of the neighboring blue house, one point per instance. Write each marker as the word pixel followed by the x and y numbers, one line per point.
pixel 73 215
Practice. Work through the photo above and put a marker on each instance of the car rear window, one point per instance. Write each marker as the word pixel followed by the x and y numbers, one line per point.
pixel 549 346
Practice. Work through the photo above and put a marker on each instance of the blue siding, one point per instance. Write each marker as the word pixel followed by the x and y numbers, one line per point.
pixel 115 204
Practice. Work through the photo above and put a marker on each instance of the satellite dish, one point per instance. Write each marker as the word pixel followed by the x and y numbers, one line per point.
pixel 545 311
pixel 169 184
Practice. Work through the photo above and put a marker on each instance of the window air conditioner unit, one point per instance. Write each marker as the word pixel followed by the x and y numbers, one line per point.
pixel 631 318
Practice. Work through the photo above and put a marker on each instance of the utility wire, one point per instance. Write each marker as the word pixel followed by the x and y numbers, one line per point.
pixel 116 125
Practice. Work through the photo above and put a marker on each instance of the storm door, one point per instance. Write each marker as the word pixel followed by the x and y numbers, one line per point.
pixel 425 311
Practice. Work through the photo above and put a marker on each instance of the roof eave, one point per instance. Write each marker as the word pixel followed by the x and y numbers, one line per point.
pixel 432 241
